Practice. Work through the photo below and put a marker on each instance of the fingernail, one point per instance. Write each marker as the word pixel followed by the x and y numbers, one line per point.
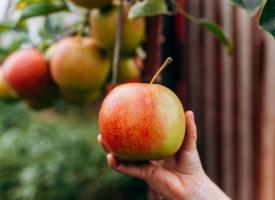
pixel 111 161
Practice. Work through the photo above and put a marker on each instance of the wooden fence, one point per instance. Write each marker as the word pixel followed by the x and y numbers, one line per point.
pixel 233 97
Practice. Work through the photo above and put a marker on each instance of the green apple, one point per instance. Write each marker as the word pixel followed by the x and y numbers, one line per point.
pixel 128 70
pixel 104 26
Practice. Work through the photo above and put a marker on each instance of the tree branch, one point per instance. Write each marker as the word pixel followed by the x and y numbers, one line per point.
pixel 117 47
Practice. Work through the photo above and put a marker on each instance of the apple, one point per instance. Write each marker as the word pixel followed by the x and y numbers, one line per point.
pixel 91 3
pixel 104 26
pixel 27 72
pixel 142 122
pixel 79 98
pixel 79 65
pixel 128 70
pixel 6 92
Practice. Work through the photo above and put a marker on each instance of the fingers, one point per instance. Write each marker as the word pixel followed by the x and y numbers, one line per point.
pixel 100 141
pixel 190 140
pixel 141 171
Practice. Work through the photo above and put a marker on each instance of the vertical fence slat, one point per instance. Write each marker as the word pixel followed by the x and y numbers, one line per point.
pixel 267 146
pixel 193 55
pixel 210 94
pixel 258 71
pixel 244 92
pixel 227 106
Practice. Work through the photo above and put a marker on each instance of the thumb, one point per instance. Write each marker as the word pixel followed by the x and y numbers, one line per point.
pixel 190 140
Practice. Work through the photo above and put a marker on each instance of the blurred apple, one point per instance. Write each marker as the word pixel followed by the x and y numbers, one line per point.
pixel 104 26
pixel 78 64
pixel 128 70
pixel 27 73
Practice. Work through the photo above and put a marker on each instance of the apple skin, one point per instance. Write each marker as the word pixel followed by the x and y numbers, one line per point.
pixel 89 4
pixel 104 25
pixel 128 70
pixel 6 92
pixel 27 72
pixel 79 65
pixel 142 122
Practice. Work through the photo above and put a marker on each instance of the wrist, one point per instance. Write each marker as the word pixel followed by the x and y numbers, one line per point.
pixel 204 188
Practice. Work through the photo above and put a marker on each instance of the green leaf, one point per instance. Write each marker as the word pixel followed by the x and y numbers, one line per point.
pixel 10 25
pixel 251 6
pixel 267 20
pixel 20 4
pixel 42 9
pixel 149 8
pixel 218 32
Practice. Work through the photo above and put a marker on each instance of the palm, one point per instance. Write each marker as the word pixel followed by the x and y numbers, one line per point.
pixel 174 175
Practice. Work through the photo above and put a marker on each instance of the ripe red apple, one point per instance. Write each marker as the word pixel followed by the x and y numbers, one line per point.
pixel 27 72
pixel 79 65
pixel 91 3
pixel 6 92
pixel 128 70
pixel 104 26
pixel 142 122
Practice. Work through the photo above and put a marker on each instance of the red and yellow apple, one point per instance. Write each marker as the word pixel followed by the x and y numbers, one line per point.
pixel 27 73
pixel 77 64
pixel 89 4
pixel 104 26
pixel 142 122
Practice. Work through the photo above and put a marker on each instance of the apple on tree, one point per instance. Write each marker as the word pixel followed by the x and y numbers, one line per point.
pixel 142 122
pixel 104 25
pixel 27 73
pixel 128 70
pixel 79 68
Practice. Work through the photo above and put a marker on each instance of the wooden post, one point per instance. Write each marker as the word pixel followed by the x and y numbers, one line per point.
pixel 227 165
pixel 244 160
pixel 210 99
pixel 194 69
pixel 267 137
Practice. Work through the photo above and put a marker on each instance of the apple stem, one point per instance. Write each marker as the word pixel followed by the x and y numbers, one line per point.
pixel 164 65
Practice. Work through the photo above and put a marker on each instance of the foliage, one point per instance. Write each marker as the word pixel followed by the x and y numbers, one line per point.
pixel 268 16
pixel 52 156
pixel 251 6
pixel 154 7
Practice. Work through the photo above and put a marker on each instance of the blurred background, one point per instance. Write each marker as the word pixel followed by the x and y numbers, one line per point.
pixel 52 153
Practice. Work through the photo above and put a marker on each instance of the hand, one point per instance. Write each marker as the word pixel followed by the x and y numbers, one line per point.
pixel 178 177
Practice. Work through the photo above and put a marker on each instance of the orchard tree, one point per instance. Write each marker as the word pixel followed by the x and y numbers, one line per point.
pixel 90 46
